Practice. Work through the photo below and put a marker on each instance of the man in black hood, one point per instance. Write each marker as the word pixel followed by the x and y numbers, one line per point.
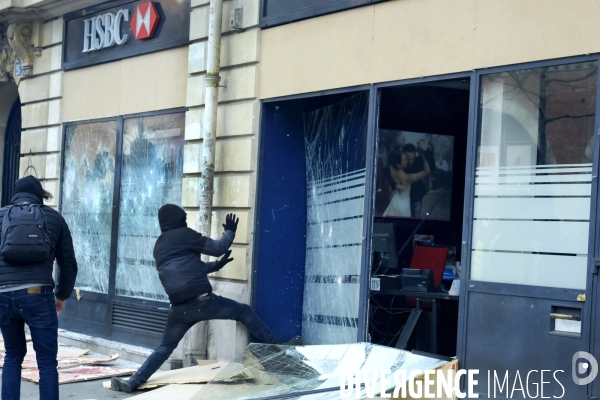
pixel 184 276
pixel 26 290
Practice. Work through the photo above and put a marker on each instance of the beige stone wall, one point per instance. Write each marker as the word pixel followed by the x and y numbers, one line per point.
pixel 402 39
pixel 237 129
pixel 41 106
pixel 145 83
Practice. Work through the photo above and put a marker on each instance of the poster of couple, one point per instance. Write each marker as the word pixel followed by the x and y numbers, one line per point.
pixel 414 175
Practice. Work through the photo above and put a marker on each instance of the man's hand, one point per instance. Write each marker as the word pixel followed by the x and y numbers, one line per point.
pixel 60 305
pixel 224 260
pixel 231 223
pixel 422 145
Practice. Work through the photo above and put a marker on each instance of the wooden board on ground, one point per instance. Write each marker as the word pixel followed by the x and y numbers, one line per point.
pixel 71 351
pixel 202 373
pixel 179 392
pixel 62 350
pixel 65 361
pixel 79 374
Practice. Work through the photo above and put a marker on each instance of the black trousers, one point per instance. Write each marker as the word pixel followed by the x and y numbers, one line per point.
pixel 183 316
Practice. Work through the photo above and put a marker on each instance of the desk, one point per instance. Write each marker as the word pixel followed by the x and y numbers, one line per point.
pixel 420 297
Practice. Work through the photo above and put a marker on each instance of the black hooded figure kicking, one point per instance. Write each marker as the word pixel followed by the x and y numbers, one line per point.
pixel 184 276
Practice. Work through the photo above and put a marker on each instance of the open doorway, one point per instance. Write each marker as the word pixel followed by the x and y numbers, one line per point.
pixel 10 139
pixel 418 221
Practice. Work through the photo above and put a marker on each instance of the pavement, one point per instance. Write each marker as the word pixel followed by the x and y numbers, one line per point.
pixel 81 390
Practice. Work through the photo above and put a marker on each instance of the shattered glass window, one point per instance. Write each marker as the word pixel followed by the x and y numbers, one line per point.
pixel 87 199
pixel 309 372
pixel 335 145
pixel 152 175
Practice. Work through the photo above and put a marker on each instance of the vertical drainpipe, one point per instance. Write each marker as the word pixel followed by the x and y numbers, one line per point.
pixel 211 99
pixel 196 345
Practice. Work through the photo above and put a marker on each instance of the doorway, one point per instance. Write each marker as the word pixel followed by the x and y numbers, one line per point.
pixel 12 153
pixel 526 307
pixel 10 139
pixel 418 217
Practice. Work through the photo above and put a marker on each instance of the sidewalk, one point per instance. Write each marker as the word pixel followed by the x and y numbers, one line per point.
pixel 81 390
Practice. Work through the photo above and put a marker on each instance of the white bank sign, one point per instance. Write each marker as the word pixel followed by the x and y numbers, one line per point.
pixel 104 31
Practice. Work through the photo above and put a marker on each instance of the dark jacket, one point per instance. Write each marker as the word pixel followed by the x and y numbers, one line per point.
pixel 418 190
pixel 177 253
pixel 60 239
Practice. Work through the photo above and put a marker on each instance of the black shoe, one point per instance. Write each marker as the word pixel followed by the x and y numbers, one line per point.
pixel 124 385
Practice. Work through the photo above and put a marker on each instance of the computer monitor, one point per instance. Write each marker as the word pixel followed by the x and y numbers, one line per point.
pixel 384 243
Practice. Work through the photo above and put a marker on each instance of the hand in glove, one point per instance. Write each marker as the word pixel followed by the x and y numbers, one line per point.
pixel 224 260
pixel 231 223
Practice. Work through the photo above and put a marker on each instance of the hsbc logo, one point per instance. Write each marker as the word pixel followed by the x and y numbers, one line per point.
pixel 104 31
pixel 144 21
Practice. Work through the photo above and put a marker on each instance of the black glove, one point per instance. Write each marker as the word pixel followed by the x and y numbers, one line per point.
pixel 224 260
pixel 231 223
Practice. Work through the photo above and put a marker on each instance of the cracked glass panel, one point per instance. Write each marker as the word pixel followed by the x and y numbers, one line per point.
pixel 87 199
pixel 288 372
pixel 335 142
pixel 151 176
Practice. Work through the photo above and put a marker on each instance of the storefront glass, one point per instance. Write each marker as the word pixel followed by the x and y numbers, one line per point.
pixel 335 142
pixel 152 176
pixel 533 176
pixel 151 171
pixel 87 199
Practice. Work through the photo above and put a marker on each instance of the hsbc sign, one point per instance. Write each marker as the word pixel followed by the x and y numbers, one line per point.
pixel 126 29
pixel 104 30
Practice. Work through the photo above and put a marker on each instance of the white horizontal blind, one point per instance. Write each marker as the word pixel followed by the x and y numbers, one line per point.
pixel 531 225
pixel 333 259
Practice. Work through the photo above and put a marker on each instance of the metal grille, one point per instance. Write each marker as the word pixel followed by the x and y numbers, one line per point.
pixel 136 318
pixel 12 153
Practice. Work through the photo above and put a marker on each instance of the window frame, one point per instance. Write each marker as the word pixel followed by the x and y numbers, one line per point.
pixel 302 12
pixel 111 296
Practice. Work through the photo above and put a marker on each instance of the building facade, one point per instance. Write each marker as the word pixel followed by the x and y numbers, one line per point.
pixel 88 113
pixel 315 98
pixel 505 94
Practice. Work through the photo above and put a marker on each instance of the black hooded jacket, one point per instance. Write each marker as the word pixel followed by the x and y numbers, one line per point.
pixel 177 253
pixel 60 238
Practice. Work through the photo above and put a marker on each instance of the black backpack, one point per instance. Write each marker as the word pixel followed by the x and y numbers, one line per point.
pixel 25 237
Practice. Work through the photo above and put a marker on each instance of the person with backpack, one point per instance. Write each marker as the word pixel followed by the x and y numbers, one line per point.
pixel 32 236
pixel 184 276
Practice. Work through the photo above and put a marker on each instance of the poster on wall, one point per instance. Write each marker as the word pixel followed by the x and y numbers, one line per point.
pixel 414 175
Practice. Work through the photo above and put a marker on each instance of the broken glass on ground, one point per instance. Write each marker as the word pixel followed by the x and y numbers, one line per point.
pixel 293 372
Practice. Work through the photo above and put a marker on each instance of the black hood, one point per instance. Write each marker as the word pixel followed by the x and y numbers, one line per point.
pixel 170 217
pixel 30 185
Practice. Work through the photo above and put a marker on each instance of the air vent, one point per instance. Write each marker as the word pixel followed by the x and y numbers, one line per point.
pixel 136 318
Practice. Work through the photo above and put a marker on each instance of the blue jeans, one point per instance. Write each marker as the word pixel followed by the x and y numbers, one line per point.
pixel 182 317
pixel 38 311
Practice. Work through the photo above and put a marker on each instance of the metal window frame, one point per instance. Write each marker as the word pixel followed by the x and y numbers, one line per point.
pixel 302 13
pixel 511 289
pixel 111 297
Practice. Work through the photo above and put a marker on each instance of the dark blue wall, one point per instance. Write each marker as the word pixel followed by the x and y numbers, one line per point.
pixel 280 230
